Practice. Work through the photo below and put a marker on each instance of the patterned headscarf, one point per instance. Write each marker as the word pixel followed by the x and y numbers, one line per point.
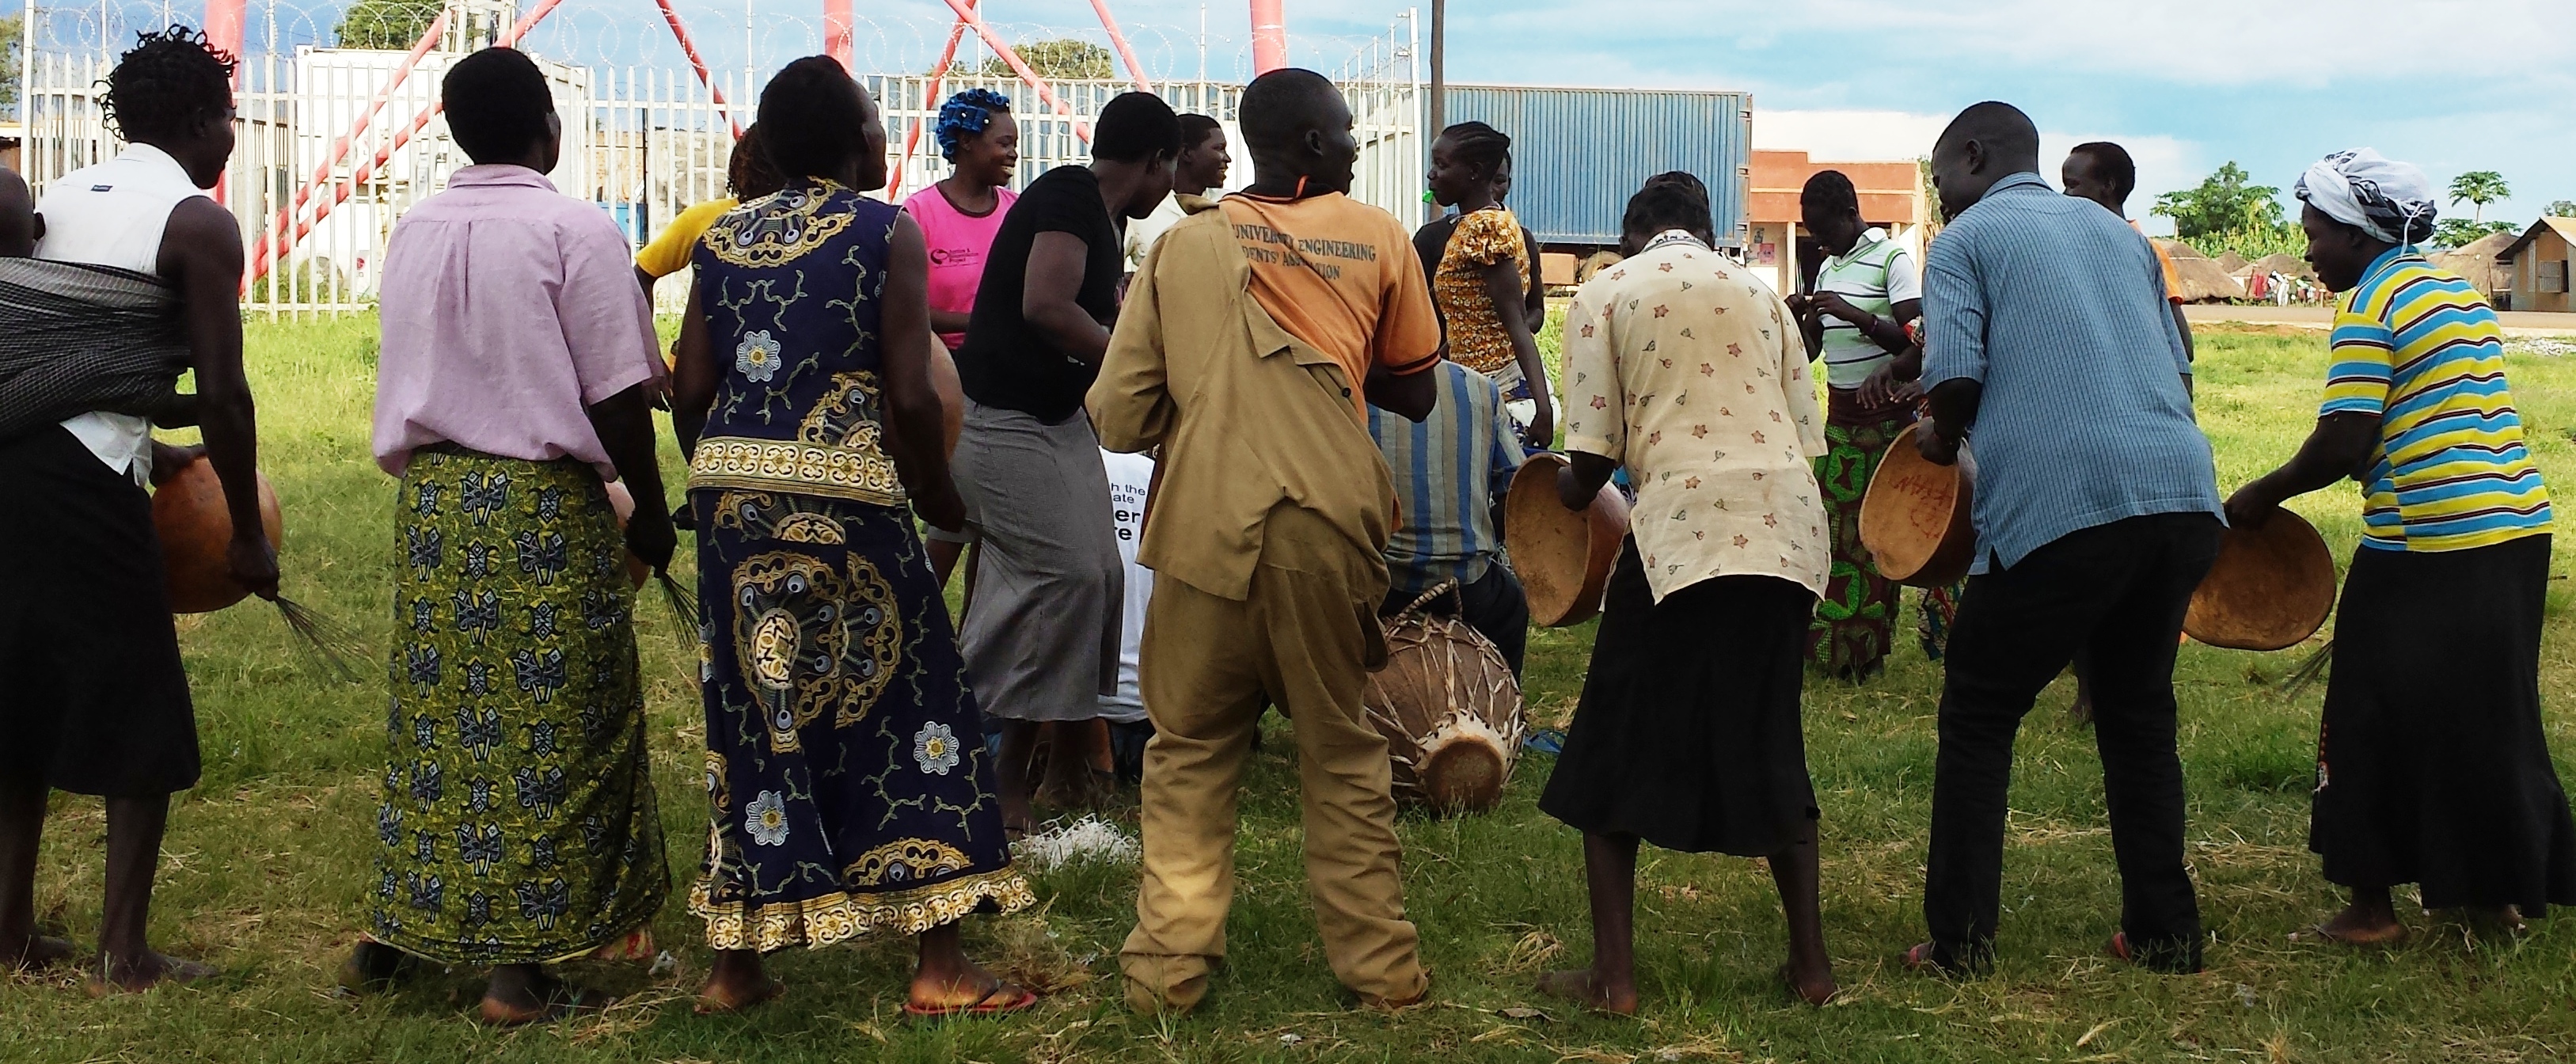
pixel 2390 200
pixel 965 115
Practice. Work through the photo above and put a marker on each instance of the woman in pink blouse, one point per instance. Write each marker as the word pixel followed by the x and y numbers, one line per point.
pixel 959 214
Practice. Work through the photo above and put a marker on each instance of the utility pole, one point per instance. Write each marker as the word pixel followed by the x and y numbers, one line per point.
pixel 1439 66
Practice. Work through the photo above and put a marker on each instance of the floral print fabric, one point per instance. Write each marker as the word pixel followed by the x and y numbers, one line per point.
pixel 1476 337
pixel 1855 624
pixel 1685 368
pixel 848 792
pixel 518 821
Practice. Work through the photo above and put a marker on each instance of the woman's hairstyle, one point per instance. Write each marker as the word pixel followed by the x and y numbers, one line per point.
pixel 1134 127
pixel 1830 192
pixel 1195 129
pixel 169 81
pixel 965 115
pixel 747 172
pixel 1479 145
pixel 497 103
pixel 810 119
pixel 1671 200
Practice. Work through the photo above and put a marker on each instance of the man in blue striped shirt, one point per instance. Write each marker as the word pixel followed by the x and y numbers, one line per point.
pixel 2051 354
pixel 1450 469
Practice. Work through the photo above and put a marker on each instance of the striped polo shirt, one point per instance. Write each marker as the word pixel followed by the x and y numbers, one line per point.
pixel 1448 470
pixel 1875 277
pixel 2416 345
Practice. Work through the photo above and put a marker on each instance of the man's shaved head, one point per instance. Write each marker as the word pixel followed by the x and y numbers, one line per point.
pixel 1297 128
pixel 1985 144
pixel 1279 105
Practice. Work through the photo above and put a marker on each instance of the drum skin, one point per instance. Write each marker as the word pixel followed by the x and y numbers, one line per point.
pixel 196 531
pixel 1450 710
pixel 1563 558
pixel 2272 587
pixel 1917 517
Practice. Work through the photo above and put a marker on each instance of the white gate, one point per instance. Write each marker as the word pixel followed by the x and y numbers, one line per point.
pixel 334 146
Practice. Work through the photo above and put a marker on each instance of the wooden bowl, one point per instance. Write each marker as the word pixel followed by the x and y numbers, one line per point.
pixel 1563 558
pixel 196 531
pixel 1916 519
pixel 623 501
pixel 2272 587
pixel 952 394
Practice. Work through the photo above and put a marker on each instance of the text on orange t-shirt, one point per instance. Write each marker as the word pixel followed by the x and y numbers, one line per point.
pixel 1341 276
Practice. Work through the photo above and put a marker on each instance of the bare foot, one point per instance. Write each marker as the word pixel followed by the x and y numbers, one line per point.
pixel 36 952
pixel 2504 920
pixel 736 983
pixel 2357 925
pixel 1813 985
pixel 143 973
pixel 522 994
pixel 1581 987
pixel 968 988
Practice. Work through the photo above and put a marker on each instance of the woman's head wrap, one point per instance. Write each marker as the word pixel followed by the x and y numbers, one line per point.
pixel 965 115
pixel 2390 200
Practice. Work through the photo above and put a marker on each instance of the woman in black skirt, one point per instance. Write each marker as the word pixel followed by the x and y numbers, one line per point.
pixel 1688 371
pixel 2432 767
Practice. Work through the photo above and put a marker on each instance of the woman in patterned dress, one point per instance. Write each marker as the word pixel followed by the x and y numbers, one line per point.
pixel 1479 266
pixel 849 791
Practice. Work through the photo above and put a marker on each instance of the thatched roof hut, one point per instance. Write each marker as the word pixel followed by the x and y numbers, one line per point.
pixel 2202 279
pixel 2232 262
pixel 2283 263
pixel 2477 262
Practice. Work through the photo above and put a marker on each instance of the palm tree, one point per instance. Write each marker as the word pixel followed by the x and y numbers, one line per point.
pixel 2480 187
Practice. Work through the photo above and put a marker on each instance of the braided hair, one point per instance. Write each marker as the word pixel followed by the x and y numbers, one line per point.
pixel 168 82
pixel 1479 146
pixel 965 115
pixel 747 171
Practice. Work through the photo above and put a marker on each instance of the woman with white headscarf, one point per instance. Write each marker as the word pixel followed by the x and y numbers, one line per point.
pixel 2432 767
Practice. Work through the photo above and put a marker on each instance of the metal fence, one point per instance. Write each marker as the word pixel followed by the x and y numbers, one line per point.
pixel 334 144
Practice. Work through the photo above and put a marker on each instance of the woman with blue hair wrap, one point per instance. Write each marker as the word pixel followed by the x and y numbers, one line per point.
pixel 960 213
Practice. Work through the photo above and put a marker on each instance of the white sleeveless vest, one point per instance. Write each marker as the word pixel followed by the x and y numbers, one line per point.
pixel 113 214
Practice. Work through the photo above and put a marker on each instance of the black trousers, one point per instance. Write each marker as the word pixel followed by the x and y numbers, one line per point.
pixel 1494 605
pixel 2116 592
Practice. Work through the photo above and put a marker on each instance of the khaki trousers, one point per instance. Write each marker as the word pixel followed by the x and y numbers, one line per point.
pixel 1304 639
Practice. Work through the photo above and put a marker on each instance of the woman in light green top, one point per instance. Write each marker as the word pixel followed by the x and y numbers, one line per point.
pixel 1866 290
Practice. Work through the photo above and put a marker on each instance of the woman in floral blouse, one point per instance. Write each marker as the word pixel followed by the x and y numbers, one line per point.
pixel 1685 369
pixel 850 794
pixel 1480 271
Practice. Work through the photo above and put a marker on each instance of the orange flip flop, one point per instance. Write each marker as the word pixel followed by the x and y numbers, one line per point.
pixel 1010 999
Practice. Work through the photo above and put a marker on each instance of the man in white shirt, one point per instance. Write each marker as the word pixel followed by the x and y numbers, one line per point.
pixel 96 701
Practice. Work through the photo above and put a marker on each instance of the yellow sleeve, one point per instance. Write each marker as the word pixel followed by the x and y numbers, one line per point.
pixel 1487 236
pixel 670 250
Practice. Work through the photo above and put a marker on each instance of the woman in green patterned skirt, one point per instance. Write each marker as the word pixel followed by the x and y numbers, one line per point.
pixel 518 825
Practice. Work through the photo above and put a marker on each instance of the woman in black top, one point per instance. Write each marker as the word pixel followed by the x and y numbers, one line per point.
pixel 1041 635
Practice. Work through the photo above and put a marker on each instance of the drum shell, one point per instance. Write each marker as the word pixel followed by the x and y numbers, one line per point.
pixel 195 526
pixel 2272 587
pixel 1563 558
pixel 1451 713
pixel 1918 518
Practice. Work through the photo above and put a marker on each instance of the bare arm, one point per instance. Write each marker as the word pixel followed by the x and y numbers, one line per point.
pixel 1503 287
pixel 950 321
pixel 2335 449
pixel 694 375
pixel 1048 293
pixel 1410 396
pixel 1954 408
pixel 201 252
pixel 1581 479
pixel 624 422
pixel 911 402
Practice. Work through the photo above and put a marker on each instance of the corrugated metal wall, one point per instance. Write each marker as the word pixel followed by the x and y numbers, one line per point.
pixel 1578 154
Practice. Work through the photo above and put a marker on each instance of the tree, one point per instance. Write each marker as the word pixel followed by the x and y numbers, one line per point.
pixel 2223 203
pixel 2559 209
pixel 10 29
pixel 2480 187
pixel 389 24
pixel 1062 59
pixel 2462 232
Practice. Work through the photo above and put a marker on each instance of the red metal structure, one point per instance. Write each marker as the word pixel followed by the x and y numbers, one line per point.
pixel 837 27
pixel 1269 36
pixel 689 48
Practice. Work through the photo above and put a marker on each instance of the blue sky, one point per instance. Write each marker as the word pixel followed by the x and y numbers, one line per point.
pixel 2185 84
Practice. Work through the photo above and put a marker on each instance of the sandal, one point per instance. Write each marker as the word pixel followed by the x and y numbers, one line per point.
pixel 1018 999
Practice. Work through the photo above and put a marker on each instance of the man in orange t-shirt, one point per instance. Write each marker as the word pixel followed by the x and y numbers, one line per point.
pixel 1250 345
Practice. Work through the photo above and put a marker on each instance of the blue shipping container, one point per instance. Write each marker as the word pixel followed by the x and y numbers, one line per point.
pixel 1578 154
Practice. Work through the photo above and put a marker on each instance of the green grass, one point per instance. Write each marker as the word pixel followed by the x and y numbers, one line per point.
pixel 266 857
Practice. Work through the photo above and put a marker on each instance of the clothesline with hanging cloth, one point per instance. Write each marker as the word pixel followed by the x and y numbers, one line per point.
pixel 85 338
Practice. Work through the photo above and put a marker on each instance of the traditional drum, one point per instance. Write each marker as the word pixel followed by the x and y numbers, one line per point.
pixel 196 532
pixel 1563 558
pixel 2272 587
pixel 1449 708
pixel 1915 518
pixel 623 501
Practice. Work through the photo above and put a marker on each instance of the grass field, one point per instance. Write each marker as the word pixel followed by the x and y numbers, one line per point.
pixel 266 858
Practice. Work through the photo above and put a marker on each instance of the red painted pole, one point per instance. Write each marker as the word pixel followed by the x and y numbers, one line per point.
pixel 836 33
pixel 272 243
pixel 1269 36
pixel 1081 130
pixel 224 31
pixel 1135 70
pixel 930 93
pixel 690 48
